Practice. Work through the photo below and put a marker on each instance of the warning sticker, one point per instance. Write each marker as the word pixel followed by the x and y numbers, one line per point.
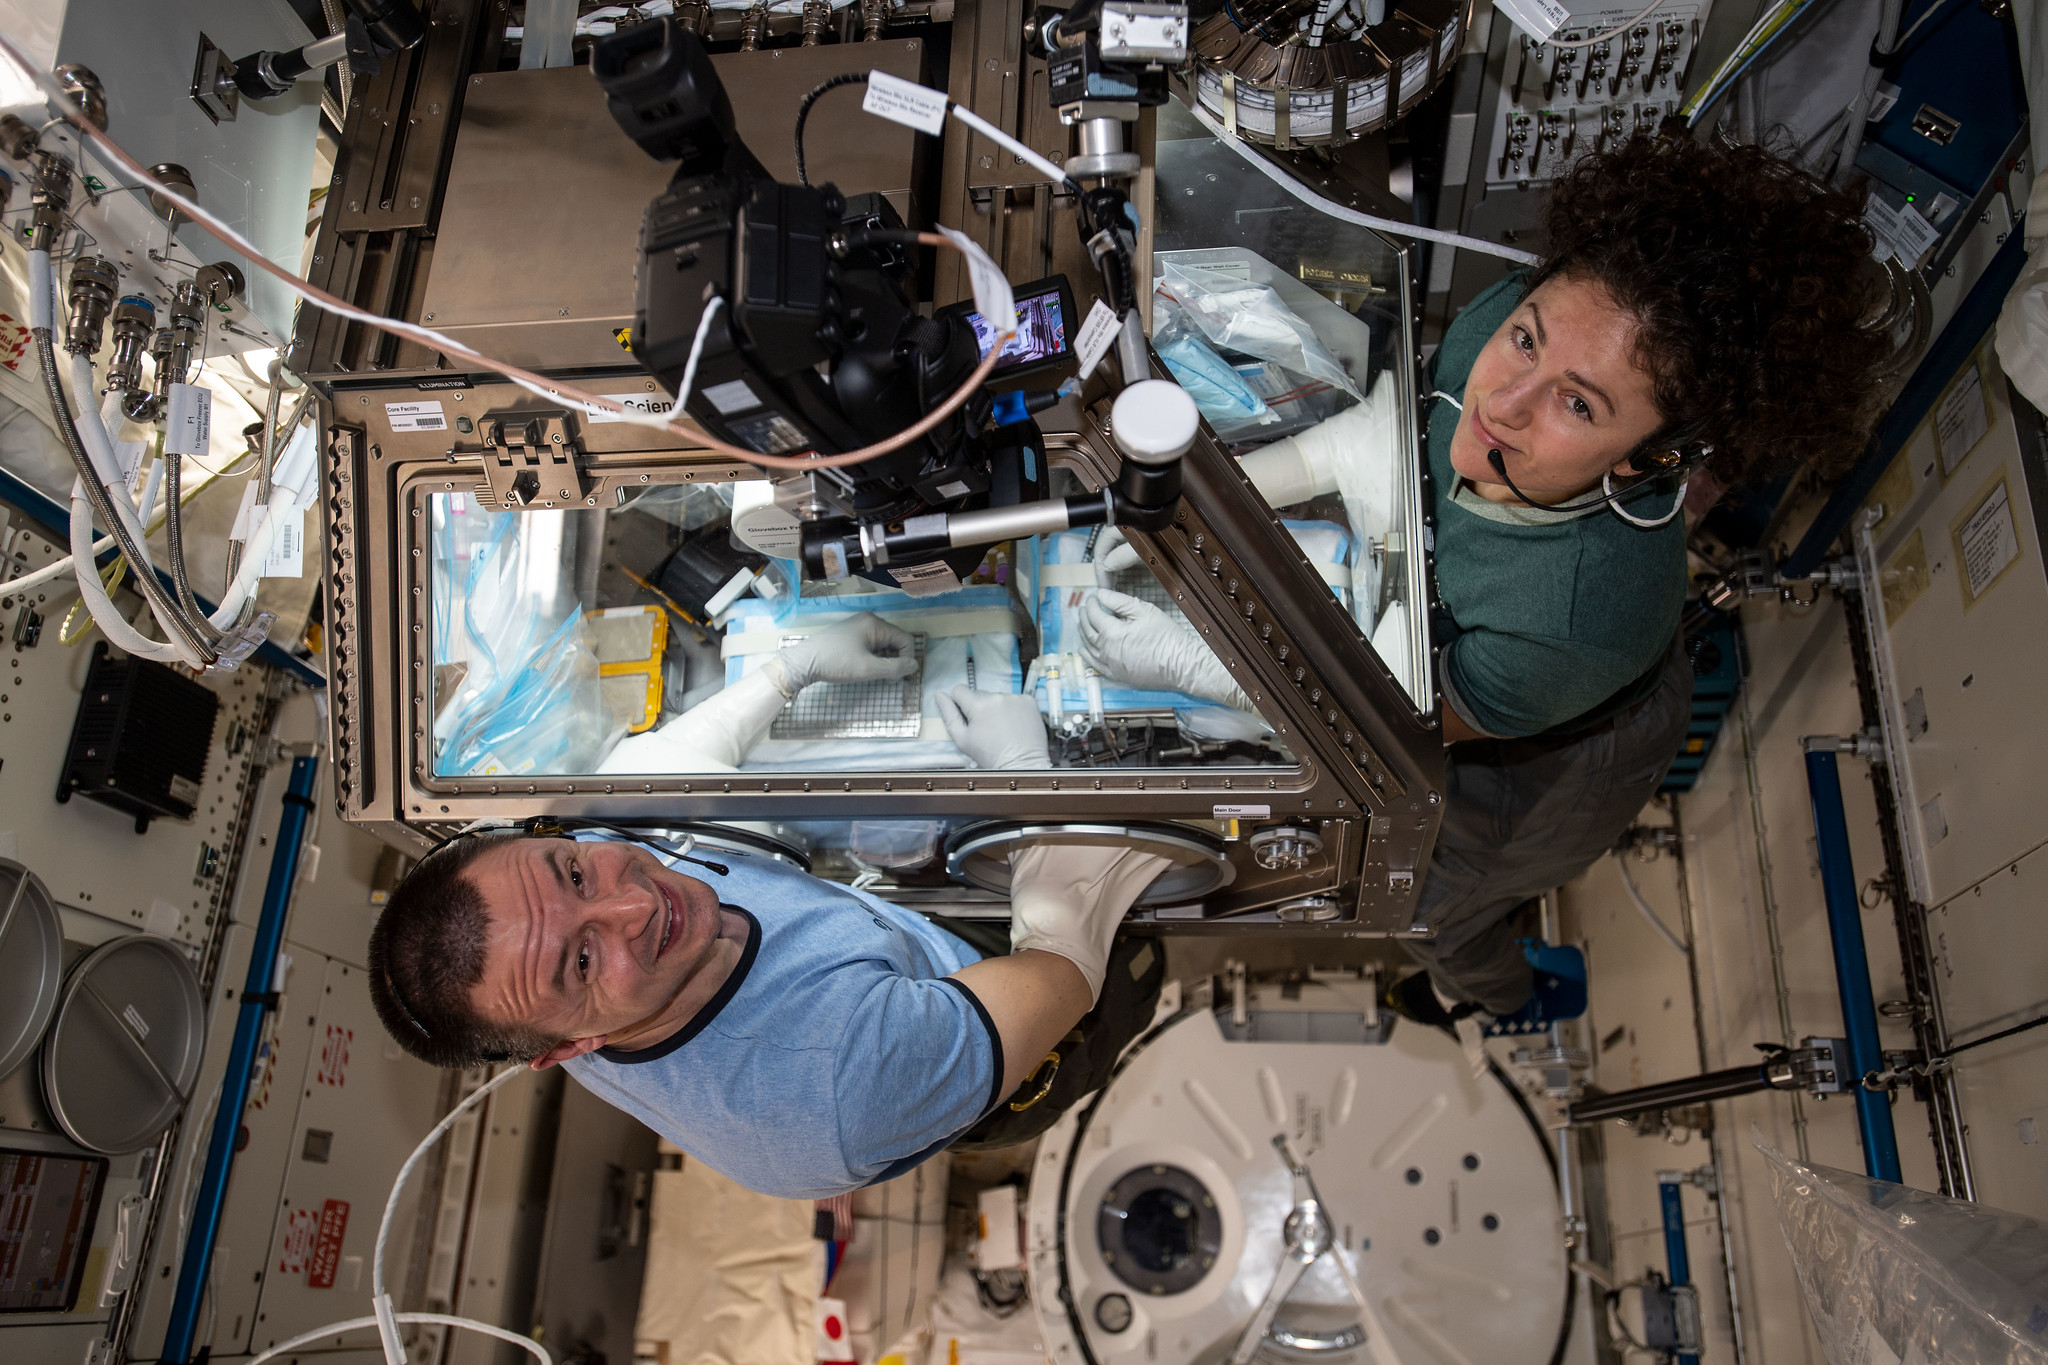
pixel 326 1254
pixel 334 1056
pixel 426 416
pixel 298 1242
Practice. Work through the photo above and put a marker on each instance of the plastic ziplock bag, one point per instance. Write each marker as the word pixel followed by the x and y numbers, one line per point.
pixel 530 700
pixel 1893 1274
pixel 1234 314
pixel 1218 390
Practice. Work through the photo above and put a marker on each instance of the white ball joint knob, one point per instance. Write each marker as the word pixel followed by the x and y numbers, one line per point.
pixel 1154 422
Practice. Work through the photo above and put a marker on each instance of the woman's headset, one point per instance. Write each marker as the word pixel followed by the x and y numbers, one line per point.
pixel 1652 464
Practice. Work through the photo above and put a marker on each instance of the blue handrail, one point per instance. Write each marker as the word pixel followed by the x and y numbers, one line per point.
pixel 257 1000
pixel 1852 963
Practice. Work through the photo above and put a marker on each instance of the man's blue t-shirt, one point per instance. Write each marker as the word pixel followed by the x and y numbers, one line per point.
pixel 836 1054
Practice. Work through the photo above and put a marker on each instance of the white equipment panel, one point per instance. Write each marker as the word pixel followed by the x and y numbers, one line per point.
pixel 1438 1187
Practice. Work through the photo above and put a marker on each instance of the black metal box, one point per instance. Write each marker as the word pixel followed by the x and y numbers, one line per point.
pixel 140 741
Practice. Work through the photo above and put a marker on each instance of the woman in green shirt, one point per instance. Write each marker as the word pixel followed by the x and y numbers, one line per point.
pixel 1703 316
pixel 1704 312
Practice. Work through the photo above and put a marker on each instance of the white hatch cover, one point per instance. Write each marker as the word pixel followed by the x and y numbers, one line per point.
pixel 1159 1215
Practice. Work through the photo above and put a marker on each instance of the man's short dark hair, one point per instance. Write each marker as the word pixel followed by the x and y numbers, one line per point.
pixel 426 957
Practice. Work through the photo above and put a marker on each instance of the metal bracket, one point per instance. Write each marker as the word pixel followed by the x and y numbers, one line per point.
pixel 531 460
pixel 1821 1066
pixel 213 83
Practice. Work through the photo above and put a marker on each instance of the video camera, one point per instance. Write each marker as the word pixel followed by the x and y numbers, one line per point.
pixel 818 345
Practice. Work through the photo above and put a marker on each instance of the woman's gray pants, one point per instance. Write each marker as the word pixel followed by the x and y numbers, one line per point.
pixel 1524 816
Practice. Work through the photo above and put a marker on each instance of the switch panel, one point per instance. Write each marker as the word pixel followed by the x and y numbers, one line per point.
pixel 1557 103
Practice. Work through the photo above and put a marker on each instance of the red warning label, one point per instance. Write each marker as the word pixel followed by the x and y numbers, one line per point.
pixel 334 1055
pixel 298 1241
pixel 327 1244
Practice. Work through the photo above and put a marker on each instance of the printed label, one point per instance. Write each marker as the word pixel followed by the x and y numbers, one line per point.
pixel 128 457
pixel 1098 331
pixel 993 297
pixel 923 580
pixel 655 404
pixel 452 382
pixel 1899 232
pixel 732 396
pixel 1231 812
pixel 326 1254
pixel 287 557
pixel 135 1020
pixel 184 789
pixel 422 416
pixel 1960 419
pixel 1989 540
pixel 907 103
pixel 1539 18
pixel 188 424
pixel 334 1056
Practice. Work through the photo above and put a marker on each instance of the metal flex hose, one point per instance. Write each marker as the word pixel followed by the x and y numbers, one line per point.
pixel 188 636
pixel 174 542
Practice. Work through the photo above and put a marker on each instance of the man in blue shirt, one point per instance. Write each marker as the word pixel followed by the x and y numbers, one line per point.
pixel 801 1037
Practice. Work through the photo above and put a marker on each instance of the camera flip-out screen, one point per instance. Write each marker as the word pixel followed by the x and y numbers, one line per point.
pixel 1045 311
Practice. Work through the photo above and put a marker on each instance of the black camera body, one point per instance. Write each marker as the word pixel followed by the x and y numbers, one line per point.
pixel 819 345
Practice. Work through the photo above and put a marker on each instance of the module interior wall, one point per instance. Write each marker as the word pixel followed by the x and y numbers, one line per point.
pixel 1640 1022
pixel 89 855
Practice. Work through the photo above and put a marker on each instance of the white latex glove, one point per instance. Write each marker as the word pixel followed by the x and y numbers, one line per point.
pixel 1355 453
pixel 1113 555
pixel 1141 646
pixel 861 648
pixel 712 736
pixel 1069 899
pixel 995 729
pixel 715 735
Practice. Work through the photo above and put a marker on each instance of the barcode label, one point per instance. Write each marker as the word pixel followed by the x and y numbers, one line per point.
pixel 426 416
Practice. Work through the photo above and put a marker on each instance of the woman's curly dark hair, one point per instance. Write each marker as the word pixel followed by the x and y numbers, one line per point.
pixel 1753 288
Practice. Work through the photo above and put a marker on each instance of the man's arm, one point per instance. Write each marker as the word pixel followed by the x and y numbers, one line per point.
pixel 1033 998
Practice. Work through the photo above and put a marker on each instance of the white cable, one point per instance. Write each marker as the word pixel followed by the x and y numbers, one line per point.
pixel 1338 211
pixel 386 1320
pixel 1611 33
pixel 335 1329
pixel 1647 523
pixel 697 349
pixel 114 625
pixel 1628 880
pixel 1004 140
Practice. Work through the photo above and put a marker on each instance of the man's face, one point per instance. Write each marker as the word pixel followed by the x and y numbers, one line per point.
pixel 588 941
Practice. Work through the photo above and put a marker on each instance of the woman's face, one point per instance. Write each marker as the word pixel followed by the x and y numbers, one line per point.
pixel 1558 392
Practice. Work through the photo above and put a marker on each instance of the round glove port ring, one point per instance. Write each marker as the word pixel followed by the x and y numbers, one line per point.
pixel 31 963
pixel 713 839
pixel 979 855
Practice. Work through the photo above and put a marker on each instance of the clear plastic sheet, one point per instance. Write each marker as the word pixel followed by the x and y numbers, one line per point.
pixel 1897 1276
pixel 516 682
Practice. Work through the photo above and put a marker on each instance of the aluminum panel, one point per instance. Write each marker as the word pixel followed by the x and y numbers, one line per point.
pixel 540 167
pixel 373 1104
